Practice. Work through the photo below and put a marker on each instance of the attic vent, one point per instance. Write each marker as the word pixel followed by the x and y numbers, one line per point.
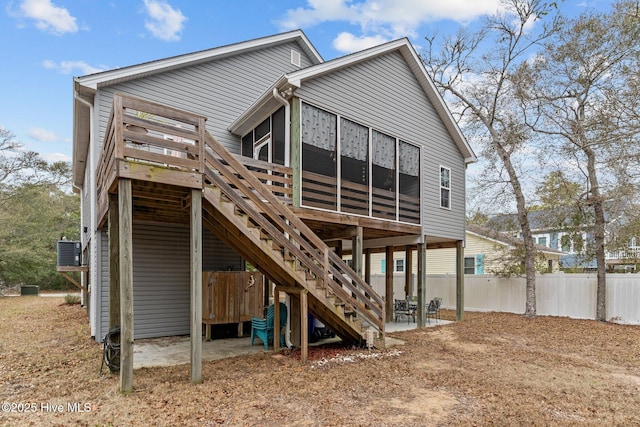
pixel 295 58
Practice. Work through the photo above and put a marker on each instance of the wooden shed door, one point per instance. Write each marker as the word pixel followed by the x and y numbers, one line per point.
pixel 231 296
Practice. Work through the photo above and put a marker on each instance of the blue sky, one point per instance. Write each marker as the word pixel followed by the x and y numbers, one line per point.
pixel 44 43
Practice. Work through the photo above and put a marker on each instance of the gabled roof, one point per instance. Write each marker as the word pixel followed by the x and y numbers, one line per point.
pixel 120 75
pixel 85 86
pixel 269 102
pixel 505 239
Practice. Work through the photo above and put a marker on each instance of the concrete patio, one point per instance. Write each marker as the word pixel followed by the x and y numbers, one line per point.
pixel 169 351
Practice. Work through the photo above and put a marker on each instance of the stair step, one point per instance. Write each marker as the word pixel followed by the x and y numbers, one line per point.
pixel 334 306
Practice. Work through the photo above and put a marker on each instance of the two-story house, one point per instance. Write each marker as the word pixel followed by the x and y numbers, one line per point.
pixel 260 152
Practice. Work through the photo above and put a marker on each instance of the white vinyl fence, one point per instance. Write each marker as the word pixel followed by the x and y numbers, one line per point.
pixel 558 294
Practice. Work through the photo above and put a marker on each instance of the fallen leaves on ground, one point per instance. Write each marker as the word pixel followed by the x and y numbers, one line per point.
pixel 490 369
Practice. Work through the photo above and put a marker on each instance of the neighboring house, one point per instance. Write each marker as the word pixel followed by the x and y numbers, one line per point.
pixel 485 252
pixel 576 241
pixel 359 149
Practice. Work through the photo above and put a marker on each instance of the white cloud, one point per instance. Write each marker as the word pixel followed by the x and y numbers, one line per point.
pixel 347 42
pixel 165 22
pixel 387 19
pixel 67 67
pixel 42 135
pixel 55 157
pixel 48 17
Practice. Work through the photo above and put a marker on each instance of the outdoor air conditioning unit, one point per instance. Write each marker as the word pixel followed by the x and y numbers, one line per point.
pixel 69 254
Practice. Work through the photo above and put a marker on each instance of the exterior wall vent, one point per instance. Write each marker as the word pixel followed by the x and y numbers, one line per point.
pixel 295 58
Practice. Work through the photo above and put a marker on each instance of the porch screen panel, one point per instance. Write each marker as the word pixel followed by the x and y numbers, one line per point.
pixel 319 136
pixel 278 137
pixel 261 131
pixel 383 170
pixel 409 182
pixel 247 145
pixel 354 167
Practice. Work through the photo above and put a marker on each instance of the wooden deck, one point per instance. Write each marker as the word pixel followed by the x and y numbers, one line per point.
pixel 163 151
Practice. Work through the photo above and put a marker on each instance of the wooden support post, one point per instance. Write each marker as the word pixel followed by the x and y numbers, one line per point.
pixel 460 280
pixel 295 142
pixel 356 251
pixel 126 284
pixel 388 282
pixel 202 130
pixel 422 284
pixel 196 286
pixel 367 265
pixel 408 271
pixel 114 262
pixel 276 320
pixel 304 326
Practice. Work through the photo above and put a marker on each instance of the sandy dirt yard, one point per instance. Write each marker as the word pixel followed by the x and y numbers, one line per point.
pixel 490 369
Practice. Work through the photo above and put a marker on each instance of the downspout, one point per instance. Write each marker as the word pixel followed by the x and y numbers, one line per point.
pixel 90 107
pixel 94 252
pixel 287 128
pixel 287 153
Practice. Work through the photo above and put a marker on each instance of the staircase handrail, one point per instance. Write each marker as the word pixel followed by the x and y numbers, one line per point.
pixel 285 219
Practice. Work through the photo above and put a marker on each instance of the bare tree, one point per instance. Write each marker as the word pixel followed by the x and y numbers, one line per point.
pixel 18 167
pixel 579 93
pixel 473 71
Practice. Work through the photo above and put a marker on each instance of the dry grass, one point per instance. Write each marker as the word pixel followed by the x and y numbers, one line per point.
pixel 491 369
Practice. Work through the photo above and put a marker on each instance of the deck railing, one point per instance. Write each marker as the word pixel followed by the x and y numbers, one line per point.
pixel 321 191
pixel 165 137
pixel 291 234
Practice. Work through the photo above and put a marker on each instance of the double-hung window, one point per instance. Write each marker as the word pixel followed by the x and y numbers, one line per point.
pixel 445 187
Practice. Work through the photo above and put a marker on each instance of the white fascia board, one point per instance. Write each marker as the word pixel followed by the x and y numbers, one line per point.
pixel 490 239
pixel 259 106
pixel 441 107
pixel 314 71
pixel 539 248
pixel 94 81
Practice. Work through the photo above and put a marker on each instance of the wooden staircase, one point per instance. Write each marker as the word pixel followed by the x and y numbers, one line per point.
pixel 249 218
pixel 175 153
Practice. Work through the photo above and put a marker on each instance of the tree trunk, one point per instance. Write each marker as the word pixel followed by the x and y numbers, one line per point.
pixel 596 201
pixel 525 227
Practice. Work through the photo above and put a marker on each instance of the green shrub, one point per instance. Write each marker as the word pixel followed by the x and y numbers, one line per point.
pixel 72 299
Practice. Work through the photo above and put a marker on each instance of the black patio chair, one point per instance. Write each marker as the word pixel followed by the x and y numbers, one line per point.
pixel 433 309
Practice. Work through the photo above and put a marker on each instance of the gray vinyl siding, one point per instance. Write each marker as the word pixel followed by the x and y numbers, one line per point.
pixel 383 93
pixel 161 278
pixel 220 90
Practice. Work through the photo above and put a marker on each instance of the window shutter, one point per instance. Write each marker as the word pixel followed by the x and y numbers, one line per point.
pixel 480 264
pixel 383 265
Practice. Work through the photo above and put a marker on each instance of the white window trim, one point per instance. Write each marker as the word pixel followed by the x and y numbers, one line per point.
pixel 464 267
pixel 546 236
pixel 447 188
